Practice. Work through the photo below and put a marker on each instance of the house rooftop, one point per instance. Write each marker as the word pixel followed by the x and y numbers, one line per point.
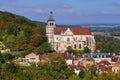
pixel 75 31
pixel 98 55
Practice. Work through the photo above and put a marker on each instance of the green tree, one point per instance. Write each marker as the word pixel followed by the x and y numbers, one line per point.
pixel 87 50
pixel 11 67
pixel 82 74
pixel 55 67
pixel 58 67
pixel 70 50
pixel 74 77
pixel 45 48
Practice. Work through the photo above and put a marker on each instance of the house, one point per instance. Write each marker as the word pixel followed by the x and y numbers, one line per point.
pixel 5 51
pixel 43 57
pixel 32 57
pixel 99 56
pixel 77 68
pixel 77 59
pixel 116 67
pixel 62 38
pixel 68 58
pixel 104 66
pixel 88 62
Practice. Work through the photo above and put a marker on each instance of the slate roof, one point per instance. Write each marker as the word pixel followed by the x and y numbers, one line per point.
pixel 98 55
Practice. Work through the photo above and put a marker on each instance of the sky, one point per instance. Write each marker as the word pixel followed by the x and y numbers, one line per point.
pixel 66 11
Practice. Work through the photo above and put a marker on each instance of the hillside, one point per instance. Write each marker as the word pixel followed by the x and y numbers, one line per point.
pixel 107 44
pixel 20 33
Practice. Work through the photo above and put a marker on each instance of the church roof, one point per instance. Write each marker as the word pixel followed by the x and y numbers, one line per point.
pixel 76 31
pixel 51 16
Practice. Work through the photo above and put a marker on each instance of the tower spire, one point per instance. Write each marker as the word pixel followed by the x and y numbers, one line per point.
pixel 51 16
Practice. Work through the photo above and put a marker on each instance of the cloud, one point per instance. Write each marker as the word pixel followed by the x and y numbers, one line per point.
pixel 69 10
pixel 61 7
pixel 114 12
pixel 41 11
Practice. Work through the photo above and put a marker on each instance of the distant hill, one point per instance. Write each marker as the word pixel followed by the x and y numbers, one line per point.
pixel 93 27
pixel 40 23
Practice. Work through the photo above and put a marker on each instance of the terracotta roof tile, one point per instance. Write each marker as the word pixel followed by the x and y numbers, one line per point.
pixel 117 64
pixel 80 67
pixel 66 56
pixel 43 57
pixel 59 30
pixel 87 66
pixel 76 31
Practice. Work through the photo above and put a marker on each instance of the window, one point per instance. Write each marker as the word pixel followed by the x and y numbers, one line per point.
pixel 75 46
pixel 74 39
pixel 79 45
pixel 68 39
pixel 32 58
pixel 56 48
pixel 84 42
pixel 51 24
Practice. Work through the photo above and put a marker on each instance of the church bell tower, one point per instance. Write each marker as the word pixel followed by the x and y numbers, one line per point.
pixel 50 28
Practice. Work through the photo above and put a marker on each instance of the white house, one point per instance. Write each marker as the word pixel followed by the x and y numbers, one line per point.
pixel 32 57
pixel 99 56
pixel 116 67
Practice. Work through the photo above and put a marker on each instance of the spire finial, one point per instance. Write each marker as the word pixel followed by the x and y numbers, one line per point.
pixel 51 16
pixel 51 12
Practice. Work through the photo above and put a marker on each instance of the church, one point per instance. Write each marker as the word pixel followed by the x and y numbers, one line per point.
pixel 62 38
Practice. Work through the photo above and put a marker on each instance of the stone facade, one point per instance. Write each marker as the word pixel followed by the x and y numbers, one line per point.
pixel 61 38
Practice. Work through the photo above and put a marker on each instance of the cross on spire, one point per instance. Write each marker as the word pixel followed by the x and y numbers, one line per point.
pixel 51 16
pixel 51 12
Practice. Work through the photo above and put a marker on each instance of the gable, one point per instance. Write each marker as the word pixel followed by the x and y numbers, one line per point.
pixel 75 31
pixel 68 32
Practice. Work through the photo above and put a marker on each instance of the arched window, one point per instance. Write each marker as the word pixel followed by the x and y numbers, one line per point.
pixel 56 48
pixel 68 39
pixel 75 46
pixel 79 45
pixel 51 24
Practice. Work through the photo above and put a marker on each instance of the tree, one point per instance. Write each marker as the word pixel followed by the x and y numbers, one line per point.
pixel 70 50
pixel 45 48
pixel 79 52
pixel 74 77
pixel 11 67
pixel 36 37
pixel 87 50
pixel 10 42
pixel 8 57
pixel 55 67
pixel 58 68
pixel 82 74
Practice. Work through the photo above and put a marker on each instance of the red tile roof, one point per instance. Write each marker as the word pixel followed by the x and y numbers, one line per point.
pixel 59 30
pixel 77 67
pixel 76 31
pixel 104 66
pixel 66 56
pixel 117 64
pixel 43 57
pixel 88 66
